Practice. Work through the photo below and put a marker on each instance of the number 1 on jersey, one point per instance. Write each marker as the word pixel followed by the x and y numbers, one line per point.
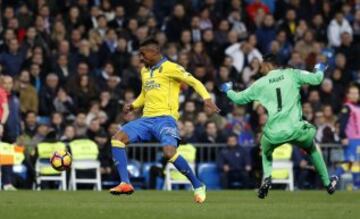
pixel 279 100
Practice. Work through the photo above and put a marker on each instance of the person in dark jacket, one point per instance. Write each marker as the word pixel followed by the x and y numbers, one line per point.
pixel 47 95
pixel 234 165
pixel 13 59
pixel 176 24
pixel 266 34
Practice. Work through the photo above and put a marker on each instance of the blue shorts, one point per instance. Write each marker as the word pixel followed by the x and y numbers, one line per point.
pixel 162 128
pixel 352 151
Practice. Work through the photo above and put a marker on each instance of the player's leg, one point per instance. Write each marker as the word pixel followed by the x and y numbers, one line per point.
pixel 320 166
pixel 266 153
pixel 181 164
pixel 183 167
pixel 132 132
pixel 306 141
pixel 165 130
pixel 118 142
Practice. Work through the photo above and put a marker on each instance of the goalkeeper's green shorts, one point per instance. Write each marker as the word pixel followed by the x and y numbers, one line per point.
pixel 303 138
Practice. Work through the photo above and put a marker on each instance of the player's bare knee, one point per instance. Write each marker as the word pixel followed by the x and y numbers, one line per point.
pixel 119 138
pixel 169 152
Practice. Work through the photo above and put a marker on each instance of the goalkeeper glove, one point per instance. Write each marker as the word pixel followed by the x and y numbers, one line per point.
pixel 225 87
pixel 320 67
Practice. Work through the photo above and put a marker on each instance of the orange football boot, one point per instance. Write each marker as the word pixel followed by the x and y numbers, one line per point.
pixel 122 188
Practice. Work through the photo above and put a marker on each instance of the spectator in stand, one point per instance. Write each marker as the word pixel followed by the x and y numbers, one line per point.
pixel 47 95
pixel 107 169
pixel 94 128
pixel 340 63
pixel 130 78
pixel 319 28
pixel 266 33
pixel 27 93
pixel 324 133
pixel 57 125
pixel 13 59
pixel 104 74
pixel 189 112
pixel 329 116
pixel 119 20
pixel 199 57
pixel 84 92
pixel 328 97
pixel 69 134
pixel 80 125
pixel 253 8
pixel 189 132
pixel 62 68
pixel 238 25
pixel 30 124
pixel 306 45
pixel 296 61
pixel 176 23
pixel 109 105
pixel 121 57
pixel 234 165
pixel 350 50
pixel 289 23
pixel 337 26
pixel 108 47
pixel 86 54
pixel 242 53
pixel 308 112
pixel 212 134
pixel 64 104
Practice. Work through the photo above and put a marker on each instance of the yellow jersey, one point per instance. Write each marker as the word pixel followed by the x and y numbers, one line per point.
pixel 161 88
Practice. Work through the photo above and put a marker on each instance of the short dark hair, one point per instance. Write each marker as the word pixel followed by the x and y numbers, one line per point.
pixel 148 42
pixel 271 58
pixel 232 135
pixel 209 122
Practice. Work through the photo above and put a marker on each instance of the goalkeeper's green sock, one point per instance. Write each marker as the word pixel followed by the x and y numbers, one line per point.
pixel 267 165
pixel 319 164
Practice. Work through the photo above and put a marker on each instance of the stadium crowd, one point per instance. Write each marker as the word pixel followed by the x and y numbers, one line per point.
pixel 69 66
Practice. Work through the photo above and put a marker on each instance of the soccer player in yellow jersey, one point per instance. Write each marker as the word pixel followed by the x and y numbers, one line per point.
pixel 161 80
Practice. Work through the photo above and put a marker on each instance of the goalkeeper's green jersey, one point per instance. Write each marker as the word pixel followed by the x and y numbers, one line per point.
pixel 279 93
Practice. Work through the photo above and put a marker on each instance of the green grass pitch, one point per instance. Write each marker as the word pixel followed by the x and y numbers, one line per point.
pixel 179 204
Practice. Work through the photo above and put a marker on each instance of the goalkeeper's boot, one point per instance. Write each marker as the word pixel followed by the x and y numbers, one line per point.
pixel 122 188
pixel 200 194
pixel 264 188
pixel 332 186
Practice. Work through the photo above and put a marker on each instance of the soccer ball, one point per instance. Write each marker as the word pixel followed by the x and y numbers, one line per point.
pixel 61 160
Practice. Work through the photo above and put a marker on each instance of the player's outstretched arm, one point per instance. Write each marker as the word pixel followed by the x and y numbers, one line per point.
pixel 242 97
pixel 180 74
pixel 201 90
pixel 305 77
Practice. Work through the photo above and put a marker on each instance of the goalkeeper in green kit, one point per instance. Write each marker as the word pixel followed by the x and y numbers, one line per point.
pixel 279 92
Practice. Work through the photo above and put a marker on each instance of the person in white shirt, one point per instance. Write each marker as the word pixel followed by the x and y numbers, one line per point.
pixel 242 54
pixel 337 26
